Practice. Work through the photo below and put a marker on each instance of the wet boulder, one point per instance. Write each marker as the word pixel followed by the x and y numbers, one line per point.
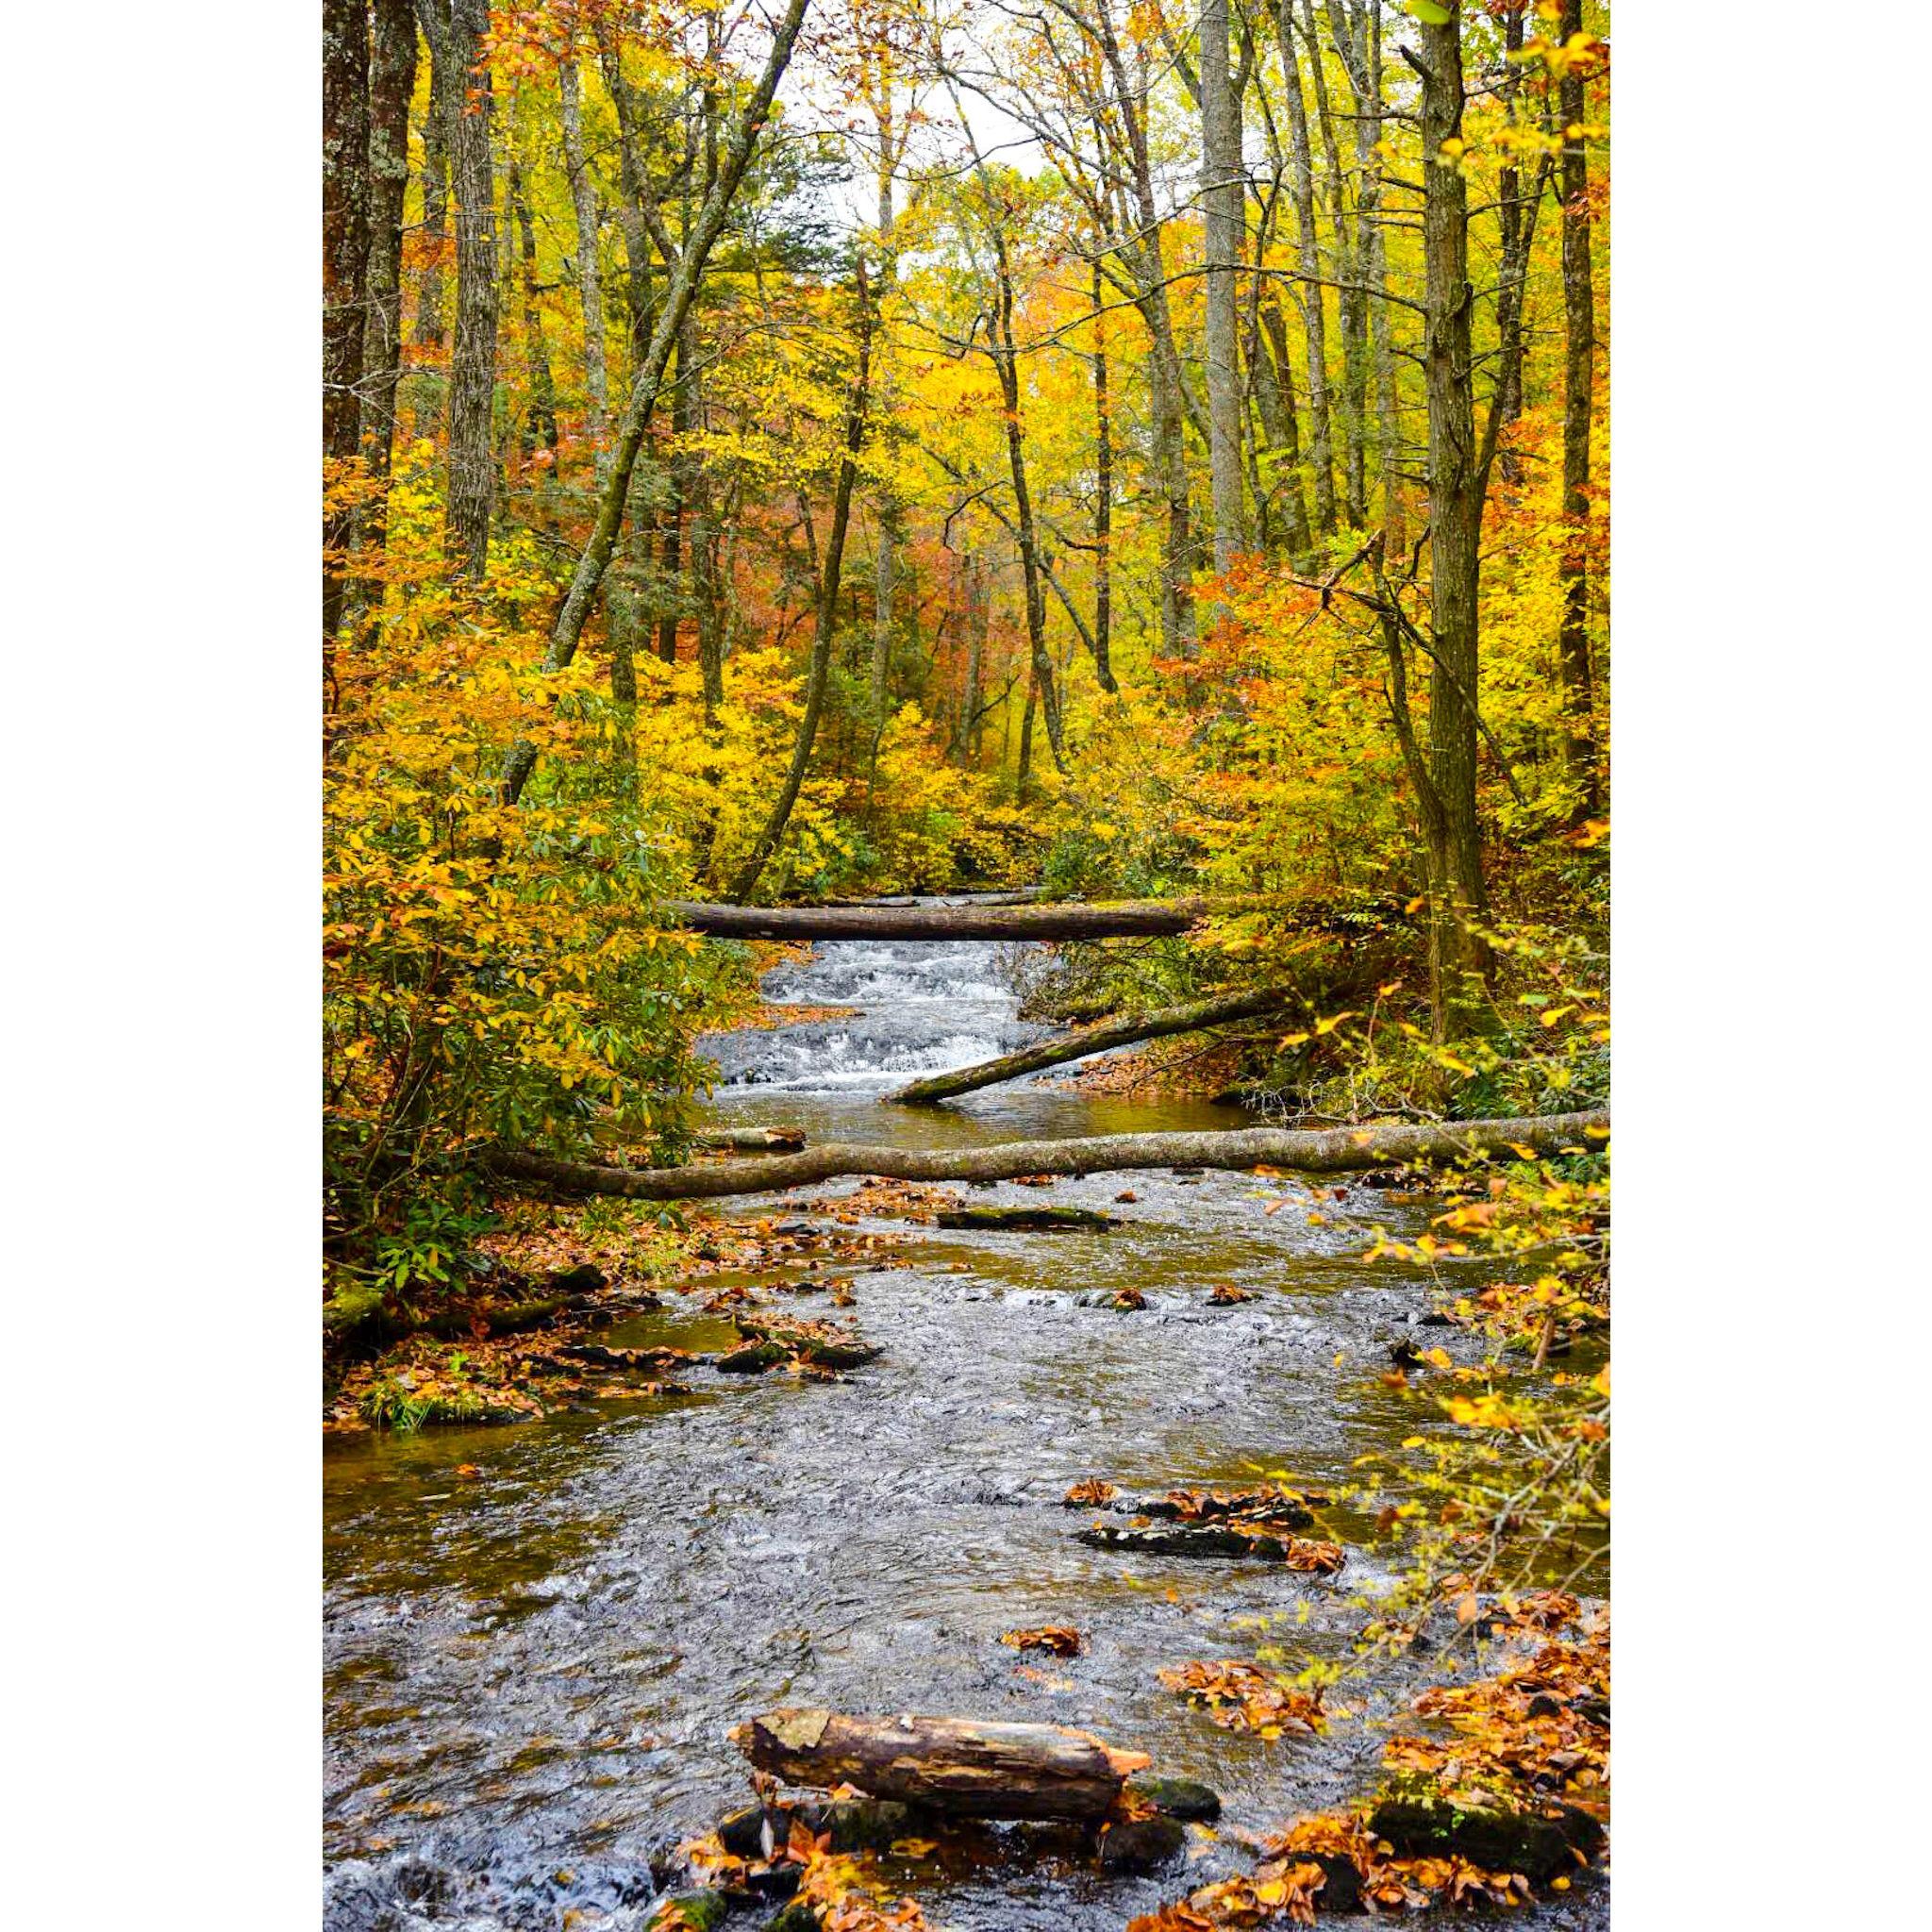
pixel 1184 1798
pixel 1142 1844
pixel 753 1358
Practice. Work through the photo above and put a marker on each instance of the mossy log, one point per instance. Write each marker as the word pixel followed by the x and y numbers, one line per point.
pixel 1333 1150
pixel 1127 1029
pixel 959 1767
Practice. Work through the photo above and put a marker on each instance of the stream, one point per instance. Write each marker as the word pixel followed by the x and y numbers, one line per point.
pixel 529 1674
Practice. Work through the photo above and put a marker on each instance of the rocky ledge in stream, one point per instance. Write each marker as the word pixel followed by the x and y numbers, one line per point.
pixel 1259 1524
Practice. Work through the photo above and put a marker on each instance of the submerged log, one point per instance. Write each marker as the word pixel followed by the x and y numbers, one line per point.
pixel 1127 1030
pixel 1116 919
pixel 752 1140
pixel 1333 1150
pixel 956 1766
pixel 1033 1218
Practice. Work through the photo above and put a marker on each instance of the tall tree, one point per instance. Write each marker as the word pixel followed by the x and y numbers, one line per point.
pixel 583 197
pixel 1224 200
pixel 825 617
pixel 1456 514
pixel 391 81
pixel 344 262
pixel 472 363
pixel 1579 356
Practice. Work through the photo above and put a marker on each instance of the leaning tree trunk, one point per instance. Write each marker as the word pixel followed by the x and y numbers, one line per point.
pixel 1579 354
pixel 1127 1030
pixel 961 1766
pixel 1457 954
pixel 473 361
pixel 344 265
pixel 678 294
pixel 1335 1150
pixel 391 80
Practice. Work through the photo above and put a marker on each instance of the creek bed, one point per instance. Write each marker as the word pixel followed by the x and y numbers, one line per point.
pixel 530 1672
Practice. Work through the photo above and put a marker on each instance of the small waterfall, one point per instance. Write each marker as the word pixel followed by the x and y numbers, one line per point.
pixel 922 1008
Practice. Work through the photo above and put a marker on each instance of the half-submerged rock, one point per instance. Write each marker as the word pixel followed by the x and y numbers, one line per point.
pixel 1032 1218
pixel 959 1767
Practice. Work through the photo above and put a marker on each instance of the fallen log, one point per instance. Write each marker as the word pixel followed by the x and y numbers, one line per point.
pixel 1332 1150
pixel 1126 1030
pixel 752 1140
pixel 1103 920
pixel 955 1765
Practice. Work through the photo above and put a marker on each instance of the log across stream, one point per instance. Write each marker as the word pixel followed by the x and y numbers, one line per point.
pixel 533 1671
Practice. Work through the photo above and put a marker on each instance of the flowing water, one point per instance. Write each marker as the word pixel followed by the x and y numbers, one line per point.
pixel 530 1674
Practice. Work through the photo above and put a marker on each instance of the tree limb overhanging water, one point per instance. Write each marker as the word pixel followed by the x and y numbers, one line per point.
pixel 1336 1150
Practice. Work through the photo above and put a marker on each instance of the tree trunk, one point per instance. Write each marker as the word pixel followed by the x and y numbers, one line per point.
pixel 1107 1034
pixel 825 623
pixel 1335 1150
pixel 963 1767
pixel 1456 514
pixel 1118 919
pixel 540 421
pixel 344 265
pixel 1579 354
pixel 1345 271
pixel 583 196
pixel 1223 201
pixel 473 361
pixel 1166 385
pixel 1005 358
pixel 391 81
pixel 1103 494
pixel 1308 261
pixel 430 327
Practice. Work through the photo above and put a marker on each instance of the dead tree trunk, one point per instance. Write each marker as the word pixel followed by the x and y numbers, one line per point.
pixel 1101 1038
pixel 1333 1150
pixel 1120 919
pixel 956 1765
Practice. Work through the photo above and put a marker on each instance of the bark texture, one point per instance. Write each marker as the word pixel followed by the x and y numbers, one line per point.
pixel 1224 197
pixel 1335 1150
pixel 1099 1038
pixel 960 1766
pixel 391 80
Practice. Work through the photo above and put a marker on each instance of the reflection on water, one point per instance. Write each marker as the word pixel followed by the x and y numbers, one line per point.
pixel 530 1673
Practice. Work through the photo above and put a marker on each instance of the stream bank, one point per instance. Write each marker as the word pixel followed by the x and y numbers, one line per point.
pixel 532 1666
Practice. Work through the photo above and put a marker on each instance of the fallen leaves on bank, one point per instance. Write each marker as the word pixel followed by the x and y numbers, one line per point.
pixel 1516 1766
